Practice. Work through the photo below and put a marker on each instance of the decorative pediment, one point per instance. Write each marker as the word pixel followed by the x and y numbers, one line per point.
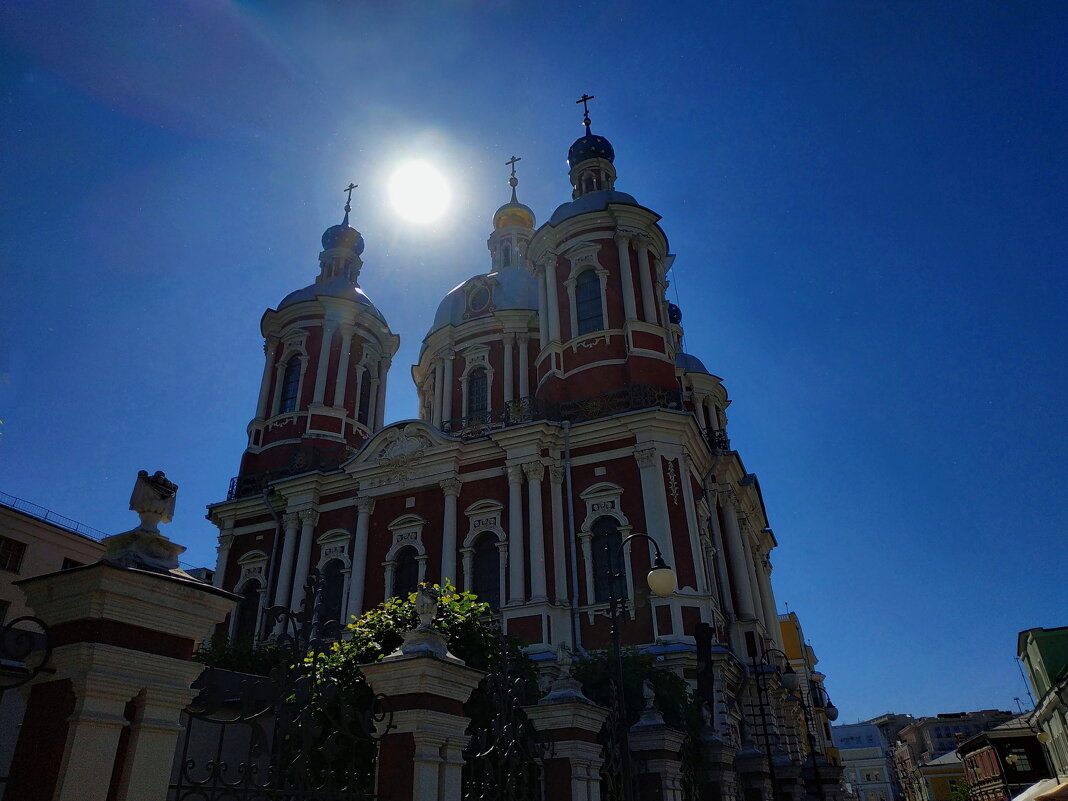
pixel 395 453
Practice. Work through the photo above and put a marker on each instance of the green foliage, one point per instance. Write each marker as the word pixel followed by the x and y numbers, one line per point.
pixel 243 656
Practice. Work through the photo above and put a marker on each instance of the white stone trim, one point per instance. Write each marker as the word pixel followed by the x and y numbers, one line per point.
pixel 334 544
pixel 407 530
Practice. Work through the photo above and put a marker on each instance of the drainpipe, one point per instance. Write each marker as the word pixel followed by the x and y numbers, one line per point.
pixel 272 574
pixel 576 634
pixel 712 510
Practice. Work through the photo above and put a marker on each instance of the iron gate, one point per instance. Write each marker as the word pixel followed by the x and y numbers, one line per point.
pixel 297 734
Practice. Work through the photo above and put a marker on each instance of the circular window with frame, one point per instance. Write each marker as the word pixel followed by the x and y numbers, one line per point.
pixel 478 299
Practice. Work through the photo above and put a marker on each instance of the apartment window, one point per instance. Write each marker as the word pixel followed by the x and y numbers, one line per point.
pixel 11 553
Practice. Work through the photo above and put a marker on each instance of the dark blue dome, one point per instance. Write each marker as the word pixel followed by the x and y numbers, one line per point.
pixel 343 236
pixel 674 314
pixel 590 146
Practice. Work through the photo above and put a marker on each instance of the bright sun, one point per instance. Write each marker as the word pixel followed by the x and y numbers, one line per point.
pixel 419 192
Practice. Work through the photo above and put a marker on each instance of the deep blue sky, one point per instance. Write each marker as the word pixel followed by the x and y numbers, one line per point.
pixel 867 200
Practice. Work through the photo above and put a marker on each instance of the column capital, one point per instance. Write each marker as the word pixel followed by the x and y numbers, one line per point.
pixel 645 457
pixel 364 504
pixel 309 517
pixel 556 474
pixel 291 520
pixel 535 471
pixel 522 337
pixel 641 239
pixel 515 474
pixel 622 237
pixel 225 541
pixel 450 486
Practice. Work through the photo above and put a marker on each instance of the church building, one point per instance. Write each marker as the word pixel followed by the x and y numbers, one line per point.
pixel 558 414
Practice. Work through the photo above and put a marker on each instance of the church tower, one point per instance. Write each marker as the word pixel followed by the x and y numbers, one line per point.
pixel 601 264
pixel 476 365
pixel 327 353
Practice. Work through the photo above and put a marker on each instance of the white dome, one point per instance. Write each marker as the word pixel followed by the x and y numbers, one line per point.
pixel 514 288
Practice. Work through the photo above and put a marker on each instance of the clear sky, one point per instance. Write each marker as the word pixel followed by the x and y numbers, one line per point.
pixel 867 199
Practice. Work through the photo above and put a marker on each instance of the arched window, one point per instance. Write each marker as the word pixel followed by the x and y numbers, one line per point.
pixel 506 255
pixel 477 392
pixel 487 570
pixel 248 613
pixel 332 592
pixel 290 386
pixel 607 560
pixel 588 302
pixel 406 572
pixel 365 397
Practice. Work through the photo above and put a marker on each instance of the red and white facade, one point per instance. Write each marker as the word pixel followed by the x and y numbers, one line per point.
pixel 558 415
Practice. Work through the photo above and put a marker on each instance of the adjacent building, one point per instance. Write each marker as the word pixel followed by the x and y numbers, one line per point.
pixel 1044 654
pixel 866 752
pixel 925 754
pixel 1002 763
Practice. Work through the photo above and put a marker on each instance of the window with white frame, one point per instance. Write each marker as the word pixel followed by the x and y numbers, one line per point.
pixel 608 578
pixel 486 566
pixel 588 307
pixel 290 386
pixel 248 612
pixel 333 591
pixel 477 392
pixel 406 572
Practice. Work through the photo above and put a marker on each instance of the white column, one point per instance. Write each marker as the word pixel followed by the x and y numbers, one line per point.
pixel 451 489
pixel 468 559
pixel 439 380
pixel 556 502
pixel 343 368
pixel 524 365
pixel 713 415
pixel 308 519
pixel 657 522
pixel 693 534
pixel 738 572
pixel 721 560
pixel 646 280
pixel 508 341
pixel 698 402
pixel 276 401
pixel 380 406
pixel 269 346
pixel 550 294
pixel 285 568
pixel 543 310
pixel 758 597
pixel 535 471
pixel 323 365
pixel 446 385
pixel 763 569
pixel 626 276
pixel 516 557
pixel 357 578
pixel 222 553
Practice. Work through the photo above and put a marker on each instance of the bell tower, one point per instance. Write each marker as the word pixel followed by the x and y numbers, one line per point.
pixel 327 353
pixel 601 263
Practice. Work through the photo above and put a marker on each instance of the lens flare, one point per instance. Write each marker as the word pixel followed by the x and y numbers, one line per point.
pixel 419 192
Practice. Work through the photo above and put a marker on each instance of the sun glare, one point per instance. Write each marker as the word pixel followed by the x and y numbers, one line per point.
pixel 419 192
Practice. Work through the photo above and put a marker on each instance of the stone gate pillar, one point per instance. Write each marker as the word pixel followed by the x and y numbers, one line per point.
pixel 569 723
pixel 421 756
pixel 104 721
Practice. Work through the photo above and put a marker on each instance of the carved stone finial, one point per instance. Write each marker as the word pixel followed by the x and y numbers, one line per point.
pixel 425 639
pixel 650 716
pixel 153 499
pixel 144 547
pixel 565 688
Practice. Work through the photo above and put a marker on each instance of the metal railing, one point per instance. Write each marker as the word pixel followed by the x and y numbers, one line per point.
pixel 48 516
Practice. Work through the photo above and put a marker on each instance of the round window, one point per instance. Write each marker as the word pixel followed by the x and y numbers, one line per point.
pixel 478 299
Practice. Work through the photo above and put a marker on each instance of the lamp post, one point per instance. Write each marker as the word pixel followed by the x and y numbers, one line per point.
pixel 817 698
pixel 661 581
pixel 789 680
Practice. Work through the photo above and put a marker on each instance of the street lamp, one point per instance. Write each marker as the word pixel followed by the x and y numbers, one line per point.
pixel 661 579
pixel 790 680
pixel 817 698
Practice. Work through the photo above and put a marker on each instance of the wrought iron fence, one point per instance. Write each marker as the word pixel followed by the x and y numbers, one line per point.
pixel 297 734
